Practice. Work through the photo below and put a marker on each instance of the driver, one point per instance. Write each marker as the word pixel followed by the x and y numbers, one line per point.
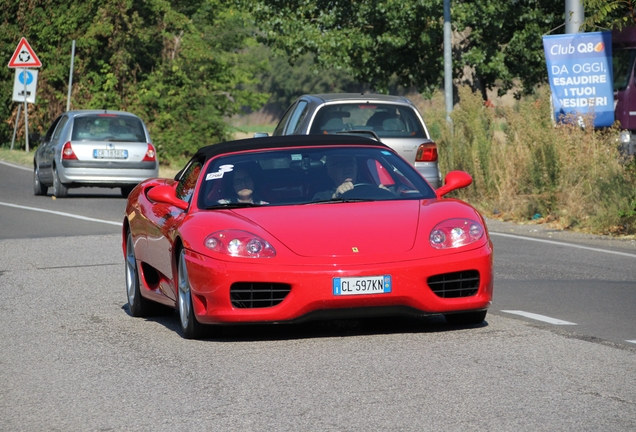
pixel 343 170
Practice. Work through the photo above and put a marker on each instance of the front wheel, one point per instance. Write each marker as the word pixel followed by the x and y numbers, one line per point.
pixel 466 318
pixel 138 306
pixel 39 188
pixel 59 190
pixel 191 328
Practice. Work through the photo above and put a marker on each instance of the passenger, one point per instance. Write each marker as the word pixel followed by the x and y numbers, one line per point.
pixel 242 188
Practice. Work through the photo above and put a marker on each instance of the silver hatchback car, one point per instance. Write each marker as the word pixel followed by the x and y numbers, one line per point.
pixel 394 120
pixel 96 148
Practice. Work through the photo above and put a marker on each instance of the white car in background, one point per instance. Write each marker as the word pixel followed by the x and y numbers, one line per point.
pixel 95 148
pixel 394 120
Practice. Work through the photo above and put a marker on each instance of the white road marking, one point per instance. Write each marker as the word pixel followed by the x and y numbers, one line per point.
pixel 539 317
pixel 16 166
pixel 61 214
pixel 563 244
pixel 631 341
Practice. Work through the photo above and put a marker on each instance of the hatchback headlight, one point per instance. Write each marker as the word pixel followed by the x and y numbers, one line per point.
pixel 626 137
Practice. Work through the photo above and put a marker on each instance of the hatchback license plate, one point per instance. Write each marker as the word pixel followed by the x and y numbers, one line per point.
pixel 362 285
pixel 110 154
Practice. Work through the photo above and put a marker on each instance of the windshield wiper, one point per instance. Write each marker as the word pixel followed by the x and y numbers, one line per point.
pixel 340 200
pixel 232 206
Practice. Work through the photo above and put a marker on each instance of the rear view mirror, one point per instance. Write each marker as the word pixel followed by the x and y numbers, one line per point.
pixel 454 180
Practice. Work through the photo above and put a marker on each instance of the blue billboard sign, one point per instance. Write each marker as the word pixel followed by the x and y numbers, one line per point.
pixel 580 74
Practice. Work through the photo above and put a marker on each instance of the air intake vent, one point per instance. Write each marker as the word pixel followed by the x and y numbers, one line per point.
pixel 258 294
pixel 453 285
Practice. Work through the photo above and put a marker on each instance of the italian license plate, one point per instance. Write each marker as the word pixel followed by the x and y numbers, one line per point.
pixel 110 154
pixel 362 285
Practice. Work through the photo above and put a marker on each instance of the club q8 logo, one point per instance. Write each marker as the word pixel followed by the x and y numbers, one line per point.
pixel 590 47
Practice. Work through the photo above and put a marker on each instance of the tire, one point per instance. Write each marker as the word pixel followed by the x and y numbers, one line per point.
pixel 126 190
pixel 466 318
pixel 138 305
pixel 38 187
pixel 59 190
pixel 190 327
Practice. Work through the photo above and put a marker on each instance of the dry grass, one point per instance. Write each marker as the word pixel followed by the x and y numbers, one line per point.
pixel 525 168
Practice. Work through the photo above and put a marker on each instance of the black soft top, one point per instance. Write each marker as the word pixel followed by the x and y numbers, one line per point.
pixel 208 152
pixel 283 141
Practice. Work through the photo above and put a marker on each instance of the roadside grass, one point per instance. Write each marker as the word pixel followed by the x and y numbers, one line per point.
pixel 18 157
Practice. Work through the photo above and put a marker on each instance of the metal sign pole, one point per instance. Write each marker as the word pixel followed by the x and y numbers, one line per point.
pixel 15 125
pixel 26 111
pixel 70 79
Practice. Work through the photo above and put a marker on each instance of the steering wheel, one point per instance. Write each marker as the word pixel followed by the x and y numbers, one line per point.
pixel 367 191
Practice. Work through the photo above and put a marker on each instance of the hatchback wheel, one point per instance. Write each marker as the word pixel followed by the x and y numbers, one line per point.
pixel 59 190
pixel 38 187
pixel 126 190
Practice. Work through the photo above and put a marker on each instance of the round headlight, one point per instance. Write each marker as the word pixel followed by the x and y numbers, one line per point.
pixel 254 246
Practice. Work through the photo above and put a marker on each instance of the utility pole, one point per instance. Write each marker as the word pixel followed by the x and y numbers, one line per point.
pixel 574 16
pixel 448 61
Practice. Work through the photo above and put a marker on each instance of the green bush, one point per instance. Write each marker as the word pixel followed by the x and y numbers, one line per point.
pixel 525 167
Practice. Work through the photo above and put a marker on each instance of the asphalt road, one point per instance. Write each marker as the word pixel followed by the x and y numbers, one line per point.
pixel 72 357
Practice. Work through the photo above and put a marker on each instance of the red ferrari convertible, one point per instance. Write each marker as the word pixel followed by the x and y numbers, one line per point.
pixel 284 229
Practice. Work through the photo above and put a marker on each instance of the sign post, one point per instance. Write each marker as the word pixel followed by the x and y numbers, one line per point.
pixel 25 57
pixel 580 73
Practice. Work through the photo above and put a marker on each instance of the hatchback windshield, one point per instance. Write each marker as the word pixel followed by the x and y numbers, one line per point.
pixel 310 176
pixel 386 120
pixel 108 127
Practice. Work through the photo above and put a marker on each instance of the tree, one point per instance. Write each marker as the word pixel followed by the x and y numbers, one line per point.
pixel 178 65
pixel 375 40
pixel 612 14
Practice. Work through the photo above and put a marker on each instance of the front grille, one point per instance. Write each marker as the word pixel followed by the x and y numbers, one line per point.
pixel 457 284
pixel 258 294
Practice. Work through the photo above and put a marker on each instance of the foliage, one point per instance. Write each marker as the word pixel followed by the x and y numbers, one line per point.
pixel 375 40
pixel 611 14
pixel 176 64
pixel 526 168
pixel 285 81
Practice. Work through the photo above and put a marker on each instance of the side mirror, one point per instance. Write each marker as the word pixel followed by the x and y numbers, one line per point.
pixel 166 194
pixel 454 180
pixel 261 134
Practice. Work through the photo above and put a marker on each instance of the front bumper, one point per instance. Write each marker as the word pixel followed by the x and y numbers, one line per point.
pixel 312 290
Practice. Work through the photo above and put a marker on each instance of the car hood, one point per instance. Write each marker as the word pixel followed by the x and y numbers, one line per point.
pixel 342 229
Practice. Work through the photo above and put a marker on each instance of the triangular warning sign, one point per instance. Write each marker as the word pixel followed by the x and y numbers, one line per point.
pixel 24 56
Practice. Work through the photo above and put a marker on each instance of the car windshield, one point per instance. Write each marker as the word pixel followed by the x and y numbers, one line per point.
pixel 108 127
pixel 386 120
pixel 622 62
pixel 309 176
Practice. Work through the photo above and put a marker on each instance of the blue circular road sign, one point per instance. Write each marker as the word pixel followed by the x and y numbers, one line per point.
pixel 29 77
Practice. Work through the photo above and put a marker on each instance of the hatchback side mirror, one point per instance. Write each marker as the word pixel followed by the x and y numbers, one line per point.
pixel 454 180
